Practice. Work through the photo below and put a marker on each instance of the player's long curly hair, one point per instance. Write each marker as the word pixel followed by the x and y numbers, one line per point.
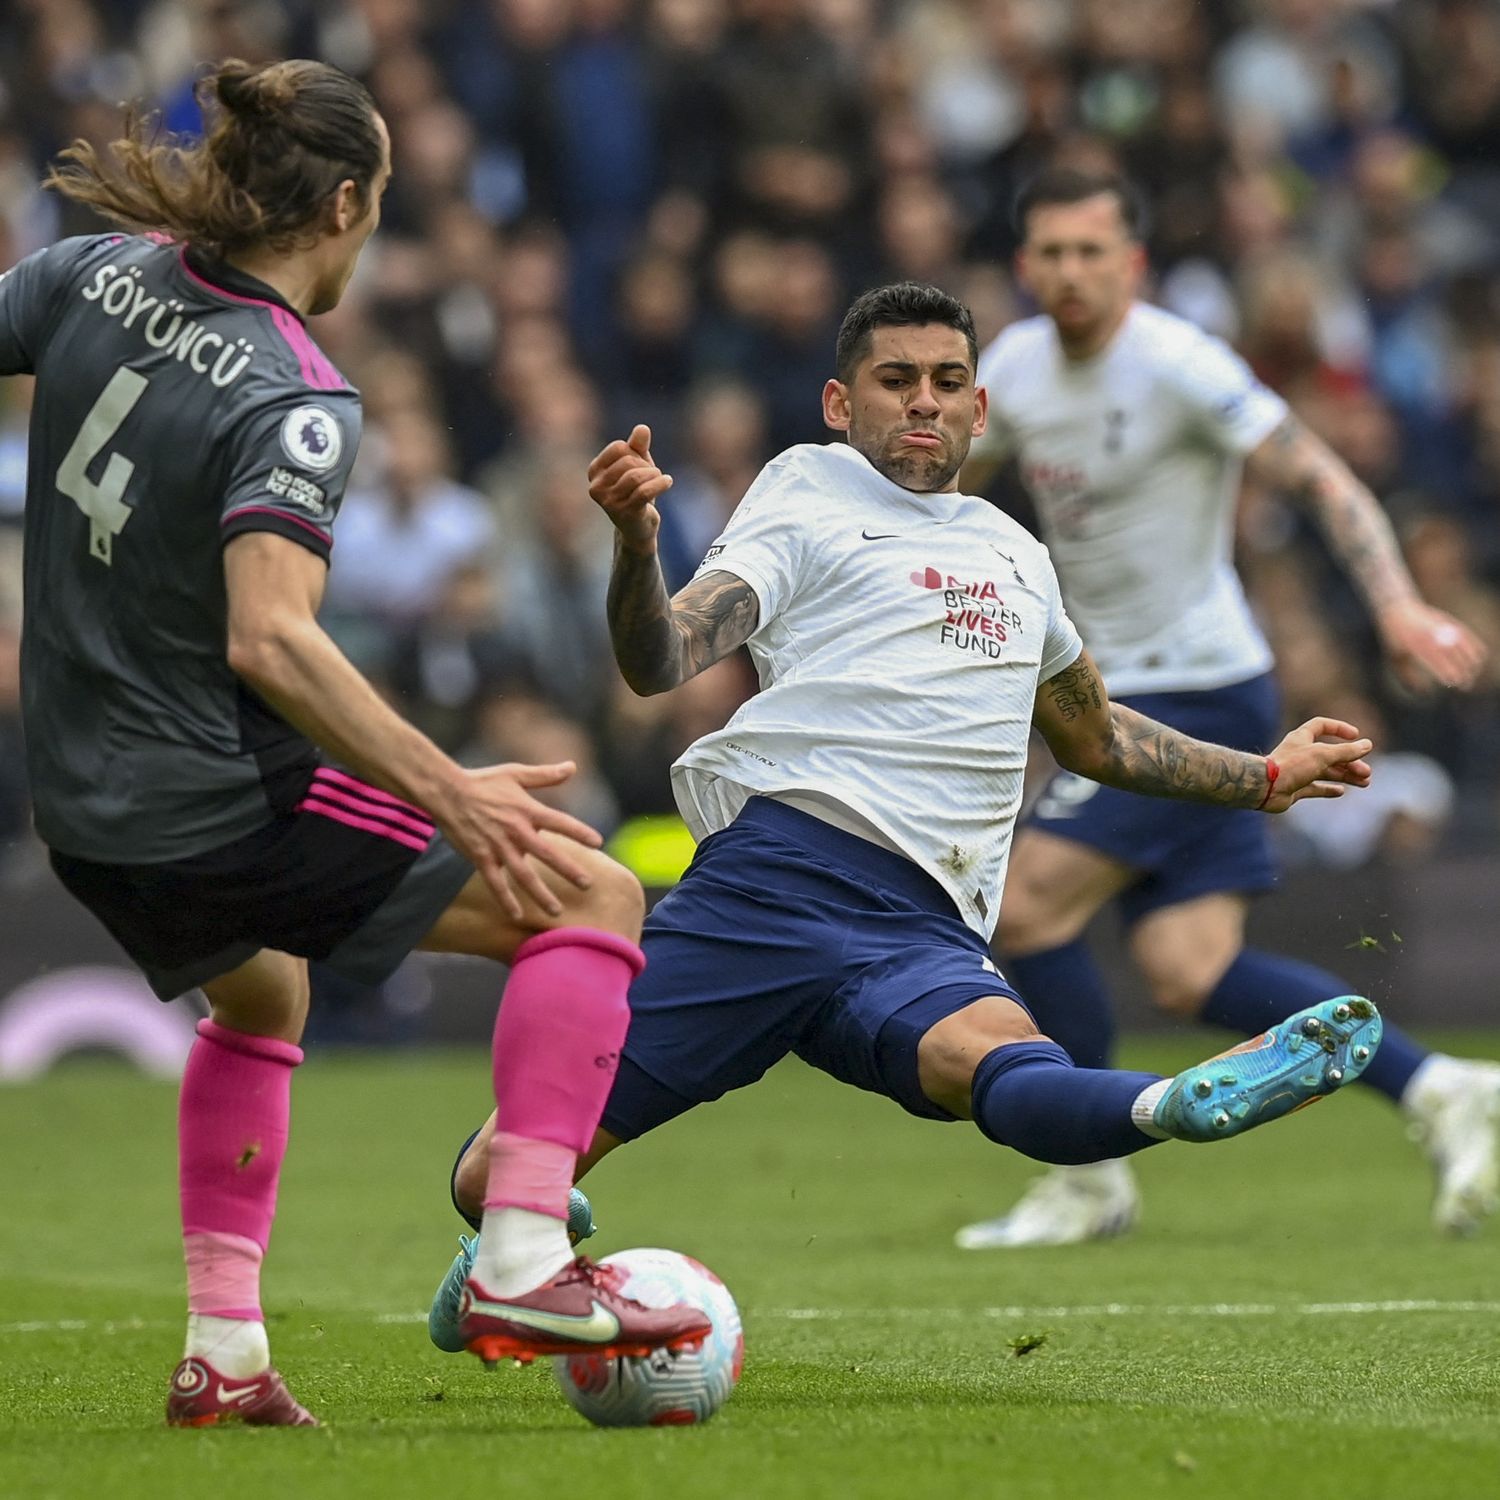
pixel 281 138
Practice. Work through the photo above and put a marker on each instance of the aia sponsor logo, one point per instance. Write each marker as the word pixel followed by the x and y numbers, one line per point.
pixel 975 617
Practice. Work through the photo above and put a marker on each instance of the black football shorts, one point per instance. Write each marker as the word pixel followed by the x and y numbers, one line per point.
pixel 353 877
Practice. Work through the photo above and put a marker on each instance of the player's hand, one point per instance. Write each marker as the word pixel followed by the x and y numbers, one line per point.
pixel 1318 759
pixel 497 825
pixel 1427 645
pixel 625 483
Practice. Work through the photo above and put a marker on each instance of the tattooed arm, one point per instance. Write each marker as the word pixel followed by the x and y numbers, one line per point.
pixel 660 641
pixel 1415 635
pixel 1118 746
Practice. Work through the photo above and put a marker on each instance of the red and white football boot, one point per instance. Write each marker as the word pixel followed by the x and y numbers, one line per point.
pixel 201 1397
pixel 580 1310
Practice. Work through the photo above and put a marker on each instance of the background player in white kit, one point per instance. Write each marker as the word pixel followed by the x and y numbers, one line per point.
pixel 856 814
pixel 1131 427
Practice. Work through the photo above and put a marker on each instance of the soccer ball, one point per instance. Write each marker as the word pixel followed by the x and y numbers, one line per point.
pixel 662 1389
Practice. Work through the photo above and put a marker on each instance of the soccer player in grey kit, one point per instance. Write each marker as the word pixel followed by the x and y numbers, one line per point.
pixel 215 781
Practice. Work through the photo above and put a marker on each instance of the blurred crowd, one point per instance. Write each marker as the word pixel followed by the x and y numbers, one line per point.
pixel 613 211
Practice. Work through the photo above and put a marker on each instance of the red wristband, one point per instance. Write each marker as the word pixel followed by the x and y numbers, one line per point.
pixel 1272 772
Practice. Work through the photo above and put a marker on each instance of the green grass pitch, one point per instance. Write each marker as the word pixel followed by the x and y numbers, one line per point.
pixel 1283 1324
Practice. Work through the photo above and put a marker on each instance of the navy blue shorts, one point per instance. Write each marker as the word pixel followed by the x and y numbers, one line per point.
pixel 1183 849
pixel 788 935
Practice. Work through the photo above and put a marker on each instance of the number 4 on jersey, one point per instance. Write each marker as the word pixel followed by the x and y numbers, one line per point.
pixel 102 502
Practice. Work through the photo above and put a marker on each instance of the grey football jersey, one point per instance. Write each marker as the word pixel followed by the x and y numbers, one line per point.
pixel 177 405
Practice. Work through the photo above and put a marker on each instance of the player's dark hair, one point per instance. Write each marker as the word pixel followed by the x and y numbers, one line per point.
pixel 1066 185
pixel 281 138
pixel 903 304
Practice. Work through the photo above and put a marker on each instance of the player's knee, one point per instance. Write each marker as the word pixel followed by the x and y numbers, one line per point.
pixel 1181 985
pixel 614 900
pixel 1031 924
pixel 269 996
pixel 1178 996
pixel 951 1050
pixel 1181 975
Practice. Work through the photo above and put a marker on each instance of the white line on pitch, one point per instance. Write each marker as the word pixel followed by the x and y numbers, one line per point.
pixel 1140 1310
pixel 830 1314
pixel 78 1325
pixel 1094 1310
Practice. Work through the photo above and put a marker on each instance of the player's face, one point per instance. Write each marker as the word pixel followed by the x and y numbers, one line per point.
pixel 912 408
pixel 355 220
pixel 1082 266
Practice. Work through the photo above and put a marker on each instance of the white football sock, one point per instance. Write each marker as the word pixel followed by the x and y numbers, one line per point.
pixel 519 1249
pixel 1143 1111
pixel 236 1347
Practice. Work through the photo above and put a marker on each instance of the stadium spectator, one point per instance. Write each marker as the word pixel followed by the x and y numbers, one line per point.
pixel 403 537
pixel 553 581
pixel 1323 183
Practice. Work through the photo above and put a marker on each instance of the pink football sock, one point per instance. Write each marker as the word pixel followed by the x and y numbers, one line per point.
pixel 232 1120
pixel 223 1272
pixel 558 1036
pixel 528 1173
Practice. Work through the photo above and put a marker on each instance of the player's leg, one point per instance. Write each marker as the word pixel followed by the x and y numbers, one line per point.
pixel 1193 956
pixel 987 1062
pixel 921 1016
pixel 466 1188
pixel 232 1131
pixel 558 1035
pixel 1158 844
pixel 1055 886
pixel 637 1104
pixel 733 978
pixel 470 1177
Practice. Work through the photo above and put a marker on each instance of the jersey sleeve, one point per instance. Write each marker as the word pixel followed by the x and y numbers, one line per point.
pixel 29 295
pixel 765 541
pixel 289 463
pixel 1226 403
pixel 1062 645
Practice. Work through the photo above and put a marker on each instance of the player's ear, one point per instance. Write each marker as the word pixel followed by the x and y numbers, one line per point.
pixel 981 412
pixel 836 412
pixel 348 205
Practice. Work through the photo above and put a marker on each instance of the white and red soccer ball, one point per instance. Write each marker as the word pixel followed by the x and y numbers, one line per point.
pixel 662 1389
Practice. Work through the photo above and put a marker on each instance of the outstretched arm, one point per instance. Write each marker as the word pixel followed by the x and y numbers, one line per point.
pixel 660 641
pixel 1118 746
pixel 276 645
pixel 1418 638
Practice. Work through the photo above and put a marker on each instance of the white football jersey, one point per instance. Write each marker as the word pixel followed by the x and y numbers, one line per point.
pixel 900 643
pixel 1133 461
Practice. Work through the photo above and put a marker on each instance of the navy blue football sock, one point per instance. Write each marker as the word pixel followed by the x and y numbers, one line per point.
pixel 1066 994
pixel 472 1220
pixel 1259 989
pixel 1030 1097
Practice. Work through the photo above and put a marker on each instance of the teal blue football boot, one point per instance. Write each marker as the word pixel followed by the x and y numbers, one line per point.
pixel 442 1318
pixel 1297 1061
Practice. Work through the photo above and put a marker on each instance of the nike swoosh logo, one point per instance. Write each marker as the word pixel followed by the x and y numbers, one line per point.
pixel 880 536
pixel 235 1394
pixel 598 1326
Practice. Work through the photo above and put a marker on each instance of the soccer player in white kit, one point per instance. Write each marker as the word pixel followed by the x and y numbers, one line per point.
pixel 1132 427
pixel 856 814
